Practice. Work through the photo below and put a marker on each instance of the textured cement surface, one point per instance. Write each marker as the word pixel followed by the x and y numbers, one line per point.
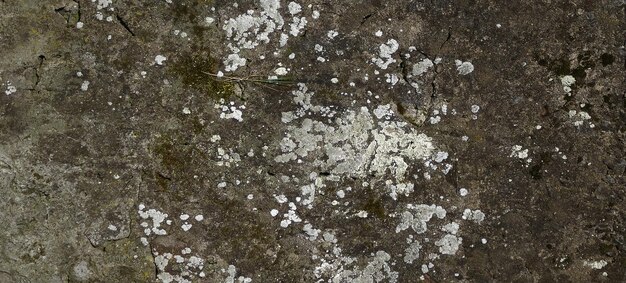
pixel 359 141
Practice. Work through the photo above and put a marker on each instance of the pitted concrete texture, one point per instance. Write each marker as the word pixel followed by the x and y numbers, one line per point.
pixel 312 141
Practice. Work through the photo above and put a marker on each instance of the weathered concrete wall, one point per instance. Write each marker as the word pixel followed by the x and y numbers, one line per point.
pixel 312 141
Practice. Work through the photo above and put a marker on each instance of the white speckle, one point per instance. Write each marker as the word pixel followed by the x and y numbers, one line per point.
pixel 483 240
pixel 498 25
pixel 273 212
pixel 294 8
pixel 184 217
pixel 112 227
pixel 441 156
pixel 464 68
pixel 334 80
pixel 596 264
pixel 281 71
pixel 186 111
pixel 209 20
pixel 84 86
pixel 159 59
pixel 362 214
pixel 285 223
pixel 473 215
pixel 341 194
pixel 392 79
pixel 292 55
pixel 10 89
pixel 144 241
pixel 250 196
pixel 475 108
pixel 282 42
pixel 332 34
pixel 435 120
pixel 379 33
pixel 463 192
pixel 316 14
pixel 281 199
pixel 215 138
pixel 186 226
pixel 199 217
pixel 567 82
pixel 518 152
pixel 79 25
pixel 221 185
pixel 102 3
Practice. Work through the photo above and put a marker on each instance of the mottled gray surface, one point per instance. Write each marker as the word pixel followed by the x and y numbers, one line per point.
pixel 504 166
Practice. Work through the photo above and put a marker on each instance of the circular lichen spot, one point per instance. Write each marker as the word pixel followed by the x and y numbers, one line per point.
pixel 81 271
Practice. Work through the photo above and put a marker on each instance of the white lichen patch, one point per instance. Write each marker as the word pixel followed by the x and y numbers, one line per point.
pixel 473 215
pixel 464 68
pixel 101 4
pixel 356 143
pixel 517 151
pixel 449 244
pixel 399 189
pixel 411 253
pixel 385 53
pixel 416 217
pixel 84 86
pixel 159 59
pixel 378 269
pixel 232 276
pixel 579 117
pixel 185 266
pixel 227 157
pixel 233 62
pixel 11 89
pixel 596 264
pixel 281 71
pixel 258 26
pixel 230 110
pixel 157 218
pixel 421 67
pixel 567 82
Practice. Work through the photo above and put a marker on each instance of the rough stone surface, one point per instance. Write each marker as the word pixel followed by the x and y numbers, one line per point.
pixel 312 141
